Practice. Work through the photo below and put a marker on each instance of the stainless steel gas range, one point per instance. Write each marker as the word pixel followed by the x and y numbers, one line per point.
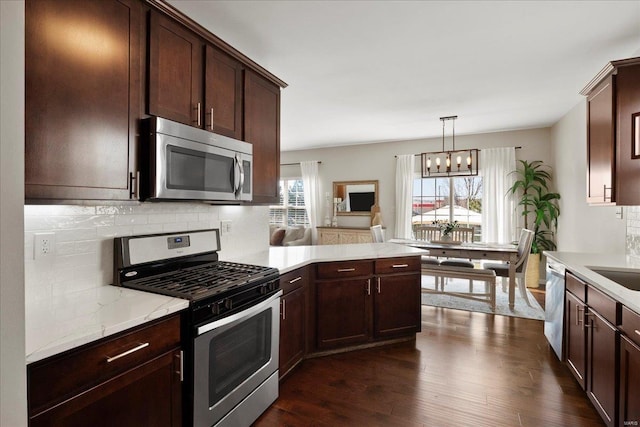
pixel 231 329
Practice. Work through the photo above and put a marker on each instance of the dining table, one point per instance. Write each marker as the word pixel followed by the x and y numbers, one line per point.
pixel 505 252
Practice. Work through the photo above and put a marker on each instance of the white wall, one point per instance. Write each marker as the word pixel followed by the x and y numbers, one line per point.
pixel 13 391
pixel 581 228
pixel 377 161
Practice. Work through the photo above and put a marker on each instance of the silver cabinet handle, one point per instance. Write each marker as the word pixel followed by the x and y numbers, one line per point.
pixel 604 192
pixel 211 118
pixel 345 270
pixel 198 113
pixel 295 280
pixel 637 332
pixel 128 352
pixel 181 367
pixel 400 265
pixel 578 310
pixel 284 309
pixel 378 285
pixel 368 286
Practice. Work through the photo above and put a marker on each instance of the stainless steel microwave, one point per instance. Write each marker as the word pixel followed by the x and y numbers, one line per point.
pixel 180 162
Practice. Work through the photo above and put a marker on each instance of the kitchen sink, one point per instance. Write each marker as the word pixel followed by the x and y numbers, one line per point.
pixel 629 278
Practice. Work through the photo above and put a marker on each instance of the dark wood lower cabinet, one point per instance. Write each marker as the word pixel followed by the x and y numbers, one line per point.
pixel 602 366
pixel 629 413
pixel 132 378
pixel 343 310
pixel 397 305
pixel 576 337
pixel 292 329
pixel 148 395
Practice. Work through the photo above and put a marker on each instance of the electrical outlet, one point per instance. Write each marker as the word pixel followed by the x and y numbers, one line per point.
pixel 225 226
pixel 44 245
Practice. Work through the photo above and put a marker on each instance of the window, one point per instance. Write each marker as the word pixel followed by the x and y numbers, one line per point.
pixel 433 200
pixel 291 209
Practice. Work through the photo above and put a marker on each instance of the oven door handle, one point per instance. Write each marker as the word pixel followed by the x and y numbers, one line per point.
pixel 235 317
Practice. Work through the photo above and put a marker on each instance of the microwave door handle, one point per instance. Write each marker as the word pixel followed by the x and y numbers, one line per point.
pixel 236 176
pixel 241 177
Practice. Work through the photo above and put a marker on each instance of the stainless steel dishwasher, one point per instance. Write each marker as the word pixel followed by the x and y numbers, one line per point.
pixel 554 306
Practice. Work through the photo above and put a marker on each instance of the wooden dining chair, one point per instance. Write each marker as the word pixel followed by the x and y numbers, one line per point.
pixel 377 235
pixel 427 232
pixel 502 269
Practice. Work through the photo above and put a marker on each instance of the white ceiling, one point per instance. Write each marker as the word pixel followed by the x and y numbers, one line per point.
pixel 373 71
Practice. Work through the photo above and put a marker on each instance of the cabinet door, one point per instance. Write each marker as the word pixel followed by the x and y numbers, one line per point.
pixel 292 329
pixel 628 135
pixel 348 237
pixel 601 144
pixel 262 129
pixel 329 237
pixel 602 366
pixel 629 380
pixel 397 305
pixel 575 337
pixel 343 310
pixel 82 91
pixel 222 93
pixel 175 72
pixel 148 395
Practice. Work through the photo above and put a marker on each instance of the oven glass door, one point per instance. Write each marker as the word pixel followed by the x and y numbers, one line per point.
pixel 233 356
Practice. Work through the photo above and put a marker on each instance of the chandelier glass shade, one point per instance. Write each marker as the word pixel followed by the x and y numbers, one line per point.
pixel 450 163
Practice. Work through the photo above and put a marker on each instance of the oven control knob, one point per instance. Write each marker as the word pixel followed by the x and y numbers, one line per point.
pixel 215 308
pixel 263 290
pixel 228 304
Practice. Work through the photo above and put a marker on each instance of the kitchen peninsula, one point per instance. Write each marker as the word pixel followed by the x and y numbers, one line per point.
pixel 106 310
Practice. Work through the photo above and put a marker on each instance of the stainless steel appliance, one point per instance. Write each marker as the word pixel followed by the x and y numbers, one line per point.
pixel 180 162
pixel 554 306
pixel 231 329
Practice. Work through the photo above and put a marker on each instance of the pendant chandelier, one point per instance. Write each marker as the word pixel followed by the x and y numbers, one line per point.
pixel 450 163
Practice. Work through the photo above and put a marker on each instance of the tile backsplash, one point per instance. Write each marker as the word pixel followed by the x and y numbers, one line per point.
pixel 633 230
pixel 83 248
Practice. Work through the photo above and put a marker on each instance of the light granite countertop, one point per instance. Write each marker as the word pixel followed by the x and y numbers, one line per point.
pixel 288 258
pixel 64 322
pixel 579 263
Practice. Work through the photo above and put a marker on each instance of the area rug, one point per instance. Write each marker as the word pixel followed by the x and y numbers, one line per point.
pixel 520 309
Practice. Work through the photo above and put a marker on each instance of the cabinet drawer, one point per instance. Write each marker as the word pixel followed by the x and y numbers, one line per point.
pixel 631 325
pixel 576 286
pixel 604 305
pixel 338 270
pixel 57 378
pixel 293 280
pixel 397 265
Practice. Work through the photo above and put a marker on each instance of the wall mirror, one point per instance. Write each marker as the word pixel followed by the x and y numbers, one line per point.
pixel 355 197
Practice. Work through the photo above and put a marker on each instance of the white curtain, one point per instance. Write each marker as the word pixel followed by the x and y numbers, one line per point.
pixel 404 195
pixel 311 182
pixel 498 207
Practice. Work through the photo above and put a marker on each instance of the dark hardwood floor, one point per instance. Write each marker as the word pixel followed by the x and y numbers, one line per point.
pixel 464 369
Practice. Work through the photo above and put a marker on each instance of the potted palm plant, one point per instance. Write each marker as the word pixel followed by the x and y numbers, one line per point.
pixel 541 207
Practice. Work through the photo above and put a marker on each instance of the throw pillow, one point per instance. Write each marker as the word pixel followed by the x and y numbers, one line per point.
pixel 276 237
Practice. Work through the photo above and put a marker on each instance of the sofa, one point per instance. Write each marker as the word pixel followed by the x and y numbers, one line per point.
pixel 289 236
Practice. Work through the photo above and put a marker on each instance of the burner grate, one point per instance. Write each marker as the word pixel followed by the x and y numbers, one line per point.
pixel 204 280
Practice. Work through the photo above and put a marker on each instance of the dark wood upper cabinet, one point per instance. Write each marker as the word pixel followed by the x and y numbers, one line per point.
pixel 222 93
pixel 82 76
pixel 601 144
pixel 262 129
pixel 613 134
pixel 628 135
pixel 175 71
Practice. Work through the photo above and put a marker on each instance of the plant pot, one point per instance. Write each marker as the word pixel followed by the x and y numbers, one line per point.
pixel 446 237
pixel 532 275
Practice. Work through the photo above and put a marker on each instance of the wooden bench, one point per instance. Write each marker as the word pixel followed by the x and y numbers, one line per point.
pixel 487 276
